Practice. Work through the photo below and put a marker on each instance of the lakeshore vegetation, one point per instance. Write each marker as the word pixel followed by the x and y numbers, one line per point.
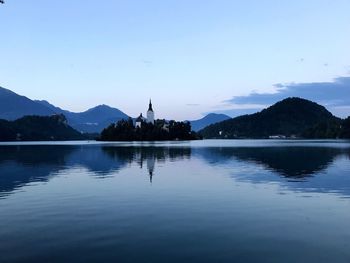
pixel 289 118
pixel 125 130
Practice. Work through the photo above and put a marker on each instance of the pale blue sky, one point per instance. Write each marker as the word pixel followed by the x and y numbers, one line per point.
pixel 190 56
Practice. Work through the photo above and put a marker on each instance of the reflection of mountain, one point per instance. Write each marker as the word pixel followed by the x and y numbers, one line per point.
pixel 95 160
pixel 20 165
pixel 303 166
pixel 292 162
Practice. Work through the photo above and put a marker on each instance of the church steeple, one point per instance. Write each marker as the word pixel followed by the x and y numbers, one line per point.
pixel 150 105
pixel 150 113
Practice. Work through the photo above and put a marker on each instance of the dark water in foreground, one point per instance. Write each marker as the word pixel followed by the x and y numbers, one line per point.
pixel 209 201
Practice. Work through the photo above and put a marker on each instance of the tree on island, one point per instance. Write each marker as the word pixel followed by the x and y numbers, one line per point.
pixel 125 130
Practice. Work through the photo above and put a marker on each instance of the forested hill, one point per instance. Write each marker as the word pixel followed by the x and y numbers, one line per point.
pixel 291 116
pixel 38 128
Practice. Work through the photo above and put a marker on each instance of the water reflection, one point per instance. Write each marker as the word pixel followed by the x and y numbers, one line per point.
pixel 302 169
pixel 20 165
pixel 148 155
pixel 292 162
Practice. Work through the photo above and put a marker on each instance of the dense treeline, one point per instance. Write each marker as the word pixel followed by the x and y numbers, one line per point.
pixel 345 131
pixel 125 130
pixel 38 128
pixel 332 129
pixel 292 117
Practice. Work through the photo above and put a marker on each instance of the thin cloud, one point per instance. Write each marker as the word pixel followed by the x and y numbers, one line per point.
pixel 147 62
pixel 334 95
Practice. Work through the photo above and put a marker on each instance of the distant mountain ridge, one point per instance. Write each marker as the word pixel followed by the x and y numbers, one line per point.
pixel 291 116
pixel 94 120
pixel 14 106
pixel 211 118
pixel 91 121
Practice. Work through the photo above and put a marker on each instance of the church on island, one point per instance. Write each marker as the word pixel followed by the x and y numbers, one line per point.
pixel 148 129
pixel 149 119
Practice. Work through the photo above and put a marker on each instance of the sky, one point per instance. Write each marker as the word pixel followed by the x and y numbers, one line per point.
pixel 191 57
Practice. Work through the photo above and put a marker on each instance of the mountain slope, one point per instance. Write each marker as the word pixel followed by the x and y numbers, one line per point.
pixel 93 120
pixel 96 119
pixel 207 120
pixel 38 128
pixel 50 106
pixel 14 106
pixel 101 112
pixel 291 116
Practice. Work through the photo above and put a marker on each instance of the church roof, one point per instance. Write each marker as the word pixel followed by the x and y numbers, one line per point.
pixel 150 106
pixel 139 118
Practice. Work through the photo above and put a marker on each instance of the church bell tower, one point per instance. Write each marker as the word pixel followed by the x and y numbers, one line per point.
pixel 150 113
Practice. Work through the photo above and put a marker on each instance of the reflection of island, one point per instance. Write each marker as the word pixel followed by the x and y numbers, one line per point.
pixel 150 167
pixel 150 155
pixel 20 165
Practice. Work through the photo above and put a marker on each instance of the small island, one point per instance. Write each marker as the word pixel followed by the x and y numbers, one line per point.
pixel 148 129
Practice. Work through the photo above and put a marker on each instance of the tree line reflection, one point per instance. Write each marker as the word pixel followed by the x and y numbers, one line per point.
pixel 20 165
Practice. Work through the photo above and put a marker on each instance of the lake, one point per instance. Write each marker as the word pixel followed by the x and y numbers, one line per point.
pixel 199 201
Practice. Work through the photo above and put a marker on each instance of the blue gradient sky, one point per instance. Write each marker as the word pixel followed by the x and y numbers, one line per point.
pixel 190 56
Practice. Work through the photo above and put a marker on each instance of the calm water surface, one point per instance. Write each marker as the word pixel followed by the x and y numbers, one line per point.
pixel 207 201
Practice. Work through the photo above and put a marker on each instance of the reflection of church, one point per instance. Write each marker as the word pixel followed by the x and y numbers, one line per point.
pixel 151 160
pixel 150 163
pixel 149 119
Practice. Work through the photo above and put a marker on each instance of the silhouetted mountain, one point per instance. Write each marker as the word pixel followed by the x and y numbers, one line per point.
pixel 52 107
pixel 96 119
pixel 291 116
pixel 211 118
pixel 14 106
pixel 38 128
pixel 93 120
